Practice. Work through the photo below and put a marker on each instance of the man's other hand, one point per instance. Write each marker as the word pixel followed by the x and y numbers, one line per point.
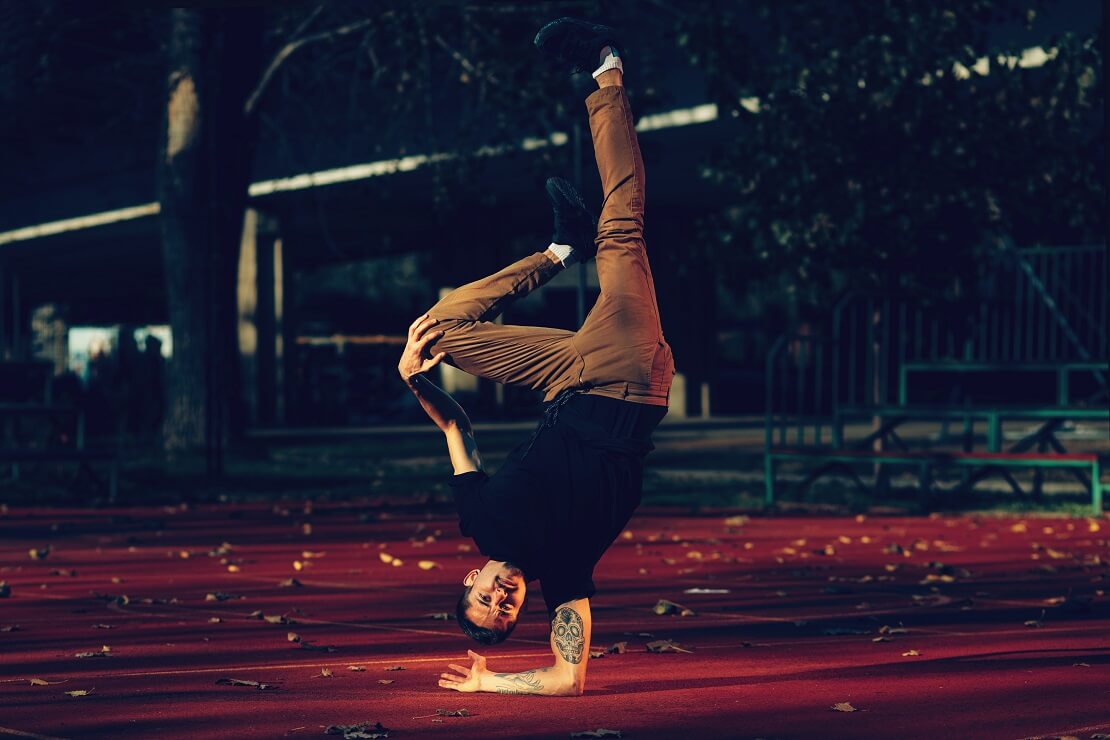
pixel 465 679
pixel 415 359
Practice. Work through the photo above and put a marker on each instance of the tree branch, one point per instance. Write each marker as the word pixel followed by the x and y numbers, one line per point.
pixel 463 61
pixel 287 50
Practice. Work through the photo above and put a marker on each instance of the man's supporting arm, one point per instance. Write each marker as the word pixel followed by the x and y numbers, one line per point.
pixel 570 642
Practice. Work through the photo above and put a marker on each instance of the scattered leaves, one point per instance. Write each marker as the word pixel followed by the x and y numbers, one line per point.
pixel 324 673
pixel 356 668
pixel 79 692
pixel 42 682
pixel 843 706
pixel 395 668
pixel 276 619
pixel 427 565
pixel 386 557
pixel 242 682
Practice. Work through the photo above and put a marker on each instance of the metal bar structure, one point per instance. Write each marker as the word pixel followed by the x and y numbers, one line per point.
pixel 1041 310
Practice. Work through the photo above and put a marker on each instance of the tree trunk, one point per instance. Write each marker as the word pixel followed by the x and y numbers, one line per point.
pixel 204 171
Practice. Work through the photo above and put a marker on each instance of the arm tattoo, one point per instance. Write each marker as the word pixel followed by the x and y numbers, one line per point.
pixel 519 683
pixel 568 633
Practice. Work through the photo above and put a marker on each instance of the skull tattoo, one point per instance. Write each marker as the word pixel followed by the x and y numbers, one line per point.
pixel 568 633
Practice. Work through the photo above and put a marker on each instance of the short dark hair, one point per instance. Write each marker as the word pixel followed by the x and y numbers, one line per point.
pixel 483 635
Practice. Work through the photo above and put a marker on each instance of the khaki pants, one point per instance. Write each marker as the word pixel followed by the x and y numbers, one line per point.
pixel 619 351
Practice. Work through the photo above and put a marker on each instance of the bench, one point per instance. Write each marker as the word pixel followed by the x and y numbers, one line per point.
pixel 927 460
pixel 84 458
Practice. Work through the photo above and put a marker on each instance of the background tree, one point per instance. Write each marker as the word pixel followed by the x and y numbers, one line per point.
pixel 886 143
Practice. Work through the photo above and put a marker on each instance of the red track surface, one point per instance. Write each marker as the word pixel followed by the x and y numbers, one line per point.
pixel 793 635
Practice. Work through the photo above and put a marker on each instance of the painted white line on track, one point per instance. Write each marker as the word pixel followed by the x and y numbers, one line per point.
pixel 21 733
pixel 279 667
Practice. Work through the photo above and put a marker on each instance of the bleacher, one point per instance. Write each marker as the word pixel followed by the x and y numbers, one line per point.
pixel 862 399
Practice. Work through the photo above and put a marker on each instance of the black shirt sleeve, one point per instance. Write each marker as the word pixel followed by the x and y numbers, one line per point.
pixel 465 488
pixel 560 587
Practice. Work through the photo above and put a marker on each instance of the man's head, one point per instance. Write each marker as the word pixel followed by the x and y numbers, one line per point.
pixel 492 601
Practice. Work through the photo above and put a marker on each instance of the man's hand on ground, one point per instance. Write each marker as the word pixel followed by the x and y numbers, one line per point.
pixel 467 680
pixel 415 358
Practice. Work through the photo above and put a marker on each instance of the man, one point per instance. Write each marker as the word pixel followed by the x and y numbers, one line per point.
pixel 562 497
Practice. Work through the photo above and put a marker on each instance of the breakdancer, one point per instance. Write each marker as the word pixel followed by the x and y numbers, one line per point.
pixel 562 497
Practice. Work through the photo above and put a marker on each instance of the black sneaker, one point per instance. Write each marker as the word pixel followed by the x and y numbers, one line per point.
pixel 574 225
pixel 575 42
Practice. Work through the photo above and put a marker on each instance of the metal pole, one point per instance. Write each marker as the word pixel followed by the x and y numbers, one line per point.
pixel 581 292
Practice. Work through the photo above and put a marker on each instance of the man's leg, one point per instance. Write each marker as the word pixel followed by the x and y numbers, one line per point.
pixel 622 341
pixel 534 357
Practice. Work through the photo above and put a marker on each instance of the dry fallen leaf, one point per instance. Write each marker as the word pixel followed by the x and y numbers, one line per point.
pixel 320 648
pixel 356 668
pixel 617 648
pixel 843 707
pixel 324 673
pixel 385 557
pixel 275 619
pixel 385 681
pixel 292 637
pixel 217 596
pixel 79 692
pixel 241 682
pixel 910 654
pixel 290 583
pixel 427 565
pixel 96 654
pixel 880 638
pixel 599 732
pixel 666 646
pixel 364 731
pixel 39 553
pixel 663 606
pixel 395 668
pixel 41 682
pixel 233 568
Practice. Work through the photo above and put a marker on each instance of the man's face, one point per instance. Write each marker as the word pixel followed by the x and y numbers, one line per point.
pixel 496 595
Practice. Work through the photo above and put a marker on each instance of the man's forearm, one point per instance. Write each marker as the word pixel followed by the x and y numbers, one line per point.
pixel 437 403
pixel 537 682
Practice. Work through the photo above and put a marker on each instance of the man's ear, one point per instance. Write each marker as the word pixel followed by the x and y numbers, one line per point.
pixel 470 577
